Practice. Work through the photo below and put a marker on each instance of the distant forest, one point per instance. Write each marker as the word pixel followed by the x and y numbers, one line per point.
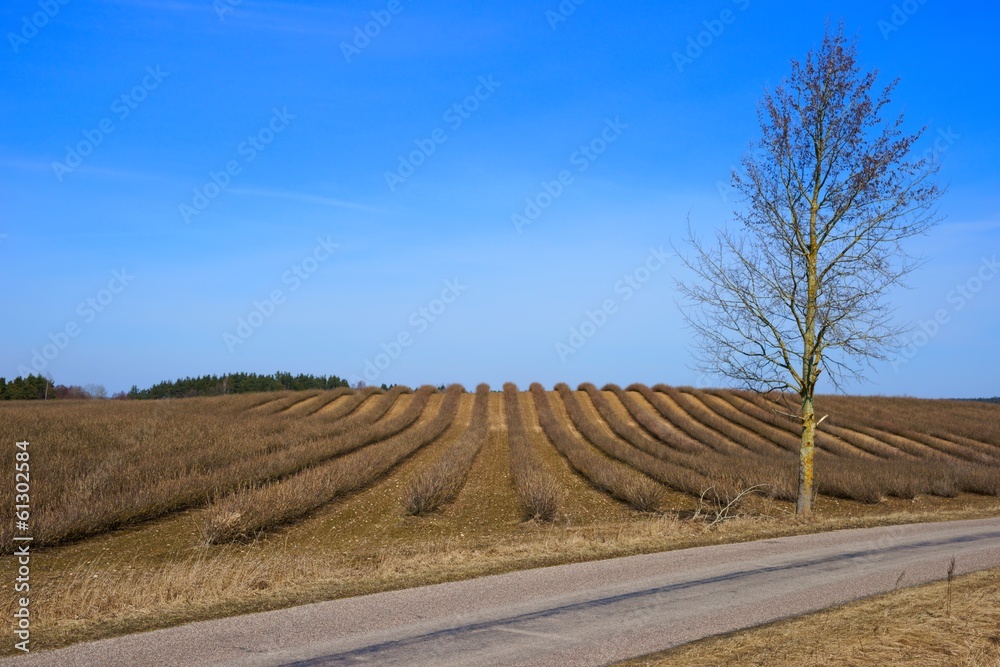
pixel 37 387
pixel 236 383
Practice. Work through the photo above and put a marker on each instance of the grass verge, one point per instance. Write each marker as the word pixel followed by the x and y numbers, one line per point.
pixel 157 576
pixel 906 627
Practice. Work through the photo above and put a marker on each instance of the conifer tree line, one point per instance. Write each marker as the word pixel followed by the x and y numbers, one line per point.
pixel 237 383
pixel 38 387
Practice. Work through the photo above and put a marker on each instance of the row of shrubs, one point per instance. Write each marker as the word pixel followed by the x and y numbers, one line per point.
pixel 440 481
pixel 259 461
pixel 537 491
pixel 619 480
pixel 251 511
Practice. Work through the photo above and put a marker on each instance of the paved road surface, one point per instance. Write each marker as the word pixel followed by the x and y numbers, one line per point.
pixel 581 614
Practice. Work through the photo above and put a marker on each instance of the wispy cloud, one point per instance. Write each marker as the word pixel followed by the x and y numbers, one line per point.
pixel 972 226
pixel 86 169
pixel 24 165
pixel 303 197
pixel 271 16
pixel 100 235
pixel 165 5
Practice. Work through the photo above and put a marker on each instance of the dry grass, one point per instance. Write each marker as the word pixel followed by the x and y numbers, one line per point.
pixel 343 406
pixel 728 430
pixel 365 427
pixel 538 493
pixel 892 471
pixel 832 438
pixel 973 421
pixel 369 410
pixel 936 470
pixel 674 414
pixel 440 482
pixel 785 433
pixel 248 512
pixel 653 423
pixel 306 469
pixel 158 576
pixel 284 401
pixel 614 413
pixel 775 472
pixel 621 481
pixel 908 627
pixel 115 463
pixel 678 477
pixel 119 463
pixel 327 398
pixel 718 479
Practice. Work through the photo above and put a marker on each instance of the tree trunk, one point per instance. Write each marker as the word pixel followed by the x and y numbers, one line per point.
pixel 803 506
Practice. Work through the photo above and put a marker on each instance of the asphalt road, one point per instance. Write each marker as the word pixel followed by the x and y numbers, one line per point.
pixel 581 614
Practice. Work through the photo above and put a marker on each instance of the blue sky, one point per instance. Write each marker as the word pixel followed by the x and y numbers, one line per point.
pixel 174 173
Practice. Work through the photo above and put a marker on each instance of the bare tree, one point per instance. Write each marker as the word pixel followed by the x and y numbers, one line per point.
pixel 96 391
pixel 829 194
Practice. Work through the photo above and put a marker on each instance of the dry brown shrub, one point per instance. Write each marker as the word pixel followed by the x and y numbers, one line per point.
pixel 247 513
pixel 620 422
pixel 653 422
pixel 614 477
pixel 728 430
pixel 669 472
pixel 354 398
pixel 537 492
pixel 441 481
pixel 675 414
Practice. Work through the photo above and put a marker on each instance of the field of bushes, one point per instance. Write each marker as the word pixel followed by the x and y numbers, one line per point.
pixel 253 464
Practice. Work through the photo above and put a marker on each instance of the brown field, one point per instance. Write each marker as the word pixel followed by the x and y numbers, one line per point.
pixel 150 513
pixel 917 627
